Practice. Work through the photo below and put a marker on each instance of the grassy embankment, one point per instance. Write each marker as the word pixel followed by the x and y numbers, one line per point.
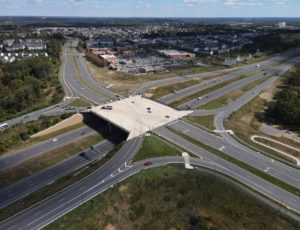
pixel 206 122
pixel 80 102
pixel 18 136
pixel 153 146
pixel 171 197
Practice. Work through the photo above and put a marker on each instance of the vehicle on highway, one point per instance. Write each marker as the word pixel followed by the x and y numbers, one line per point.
pixel 147 163
pixel 107 107
pixel 265 73
pixel 199 98
pixel 4 126
pixel 54 140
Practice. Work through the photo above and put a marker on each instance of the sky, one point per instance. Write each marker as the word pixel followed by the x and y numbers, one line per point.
pixel 151 8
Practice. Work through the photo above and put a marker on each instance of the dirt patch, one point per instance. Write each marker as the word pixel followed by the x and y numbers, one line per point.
pixel 109 227
pixel 266 96
pixel 75 119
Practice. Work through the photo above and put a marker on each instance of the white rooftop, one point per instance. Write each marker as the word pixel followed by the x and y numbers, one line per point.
pixel 138 115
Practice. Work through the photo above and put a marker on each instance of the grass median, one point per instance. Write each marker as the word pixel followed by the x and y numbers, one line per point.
pixel 154 146
pixel 47 159
pixel 229 97
pixel 241 164
pixel 204 92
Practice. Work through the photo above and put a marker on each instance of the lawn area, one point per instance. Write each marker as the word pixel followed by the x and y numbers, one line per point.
pixel 47 159
pixel 80 102
pixel 204 121
pixel 171 197
pixel 229 97
pixel 155 147
pixel 204 92
pixel 168 89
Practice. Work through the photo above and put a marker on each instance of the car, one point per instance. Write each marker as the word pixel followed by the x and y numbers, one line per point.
pixel 147 163
pixel 4 126
pixel 167 116
pixel 265 73
pixel 199 98
pixel 54 140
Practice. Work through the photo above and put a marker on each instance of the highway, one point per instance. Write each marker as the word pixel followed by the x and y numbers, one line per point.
pixel 66 200
pixel 13 159
pixel 58 205
pixel 264 187
pixel 196 102
pixel 209 83
pixel 30 184
pixel 89 80
pixel 171 80
pixel 274 168
pixel 118 168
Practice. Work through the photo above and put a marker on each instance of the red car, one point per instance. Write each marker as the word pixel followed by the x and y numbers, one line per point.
pixel 148 163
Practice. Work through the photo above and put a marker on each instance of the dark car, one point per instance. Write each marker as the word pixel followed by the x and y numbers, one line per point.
pixel 147 163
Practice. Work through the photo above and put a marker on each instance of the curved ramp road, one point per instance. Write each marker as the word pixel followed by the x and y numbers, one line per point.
pixel 88 79
pixel 56 206
pixel 26 186
pixel 18 157
pixel 76 85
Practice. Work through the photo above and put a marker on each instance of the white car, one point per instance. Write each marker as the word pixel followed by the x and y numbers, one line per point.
pixel 54 140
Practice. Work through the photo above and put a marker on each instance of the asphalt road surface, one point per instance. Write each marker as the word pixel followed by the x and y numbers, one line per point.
pixel 196 103
pixel 266 188
pixel 272 167
pixel 73 196
pixel 30 184
pixel 13 159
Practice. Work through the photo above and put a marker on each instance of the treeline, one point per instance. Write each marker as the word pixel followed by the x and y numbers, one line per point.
pixel 17 134
pixel 94 59
pixel 29 83
pixel 285 110
pixel 272 43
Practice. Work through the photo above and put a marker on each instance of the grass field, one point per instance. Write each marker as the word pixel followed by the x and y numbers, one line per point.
pixel 204 121
pixel 155 147
pixel 171 197
pixel 168 89
pixel 80 102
